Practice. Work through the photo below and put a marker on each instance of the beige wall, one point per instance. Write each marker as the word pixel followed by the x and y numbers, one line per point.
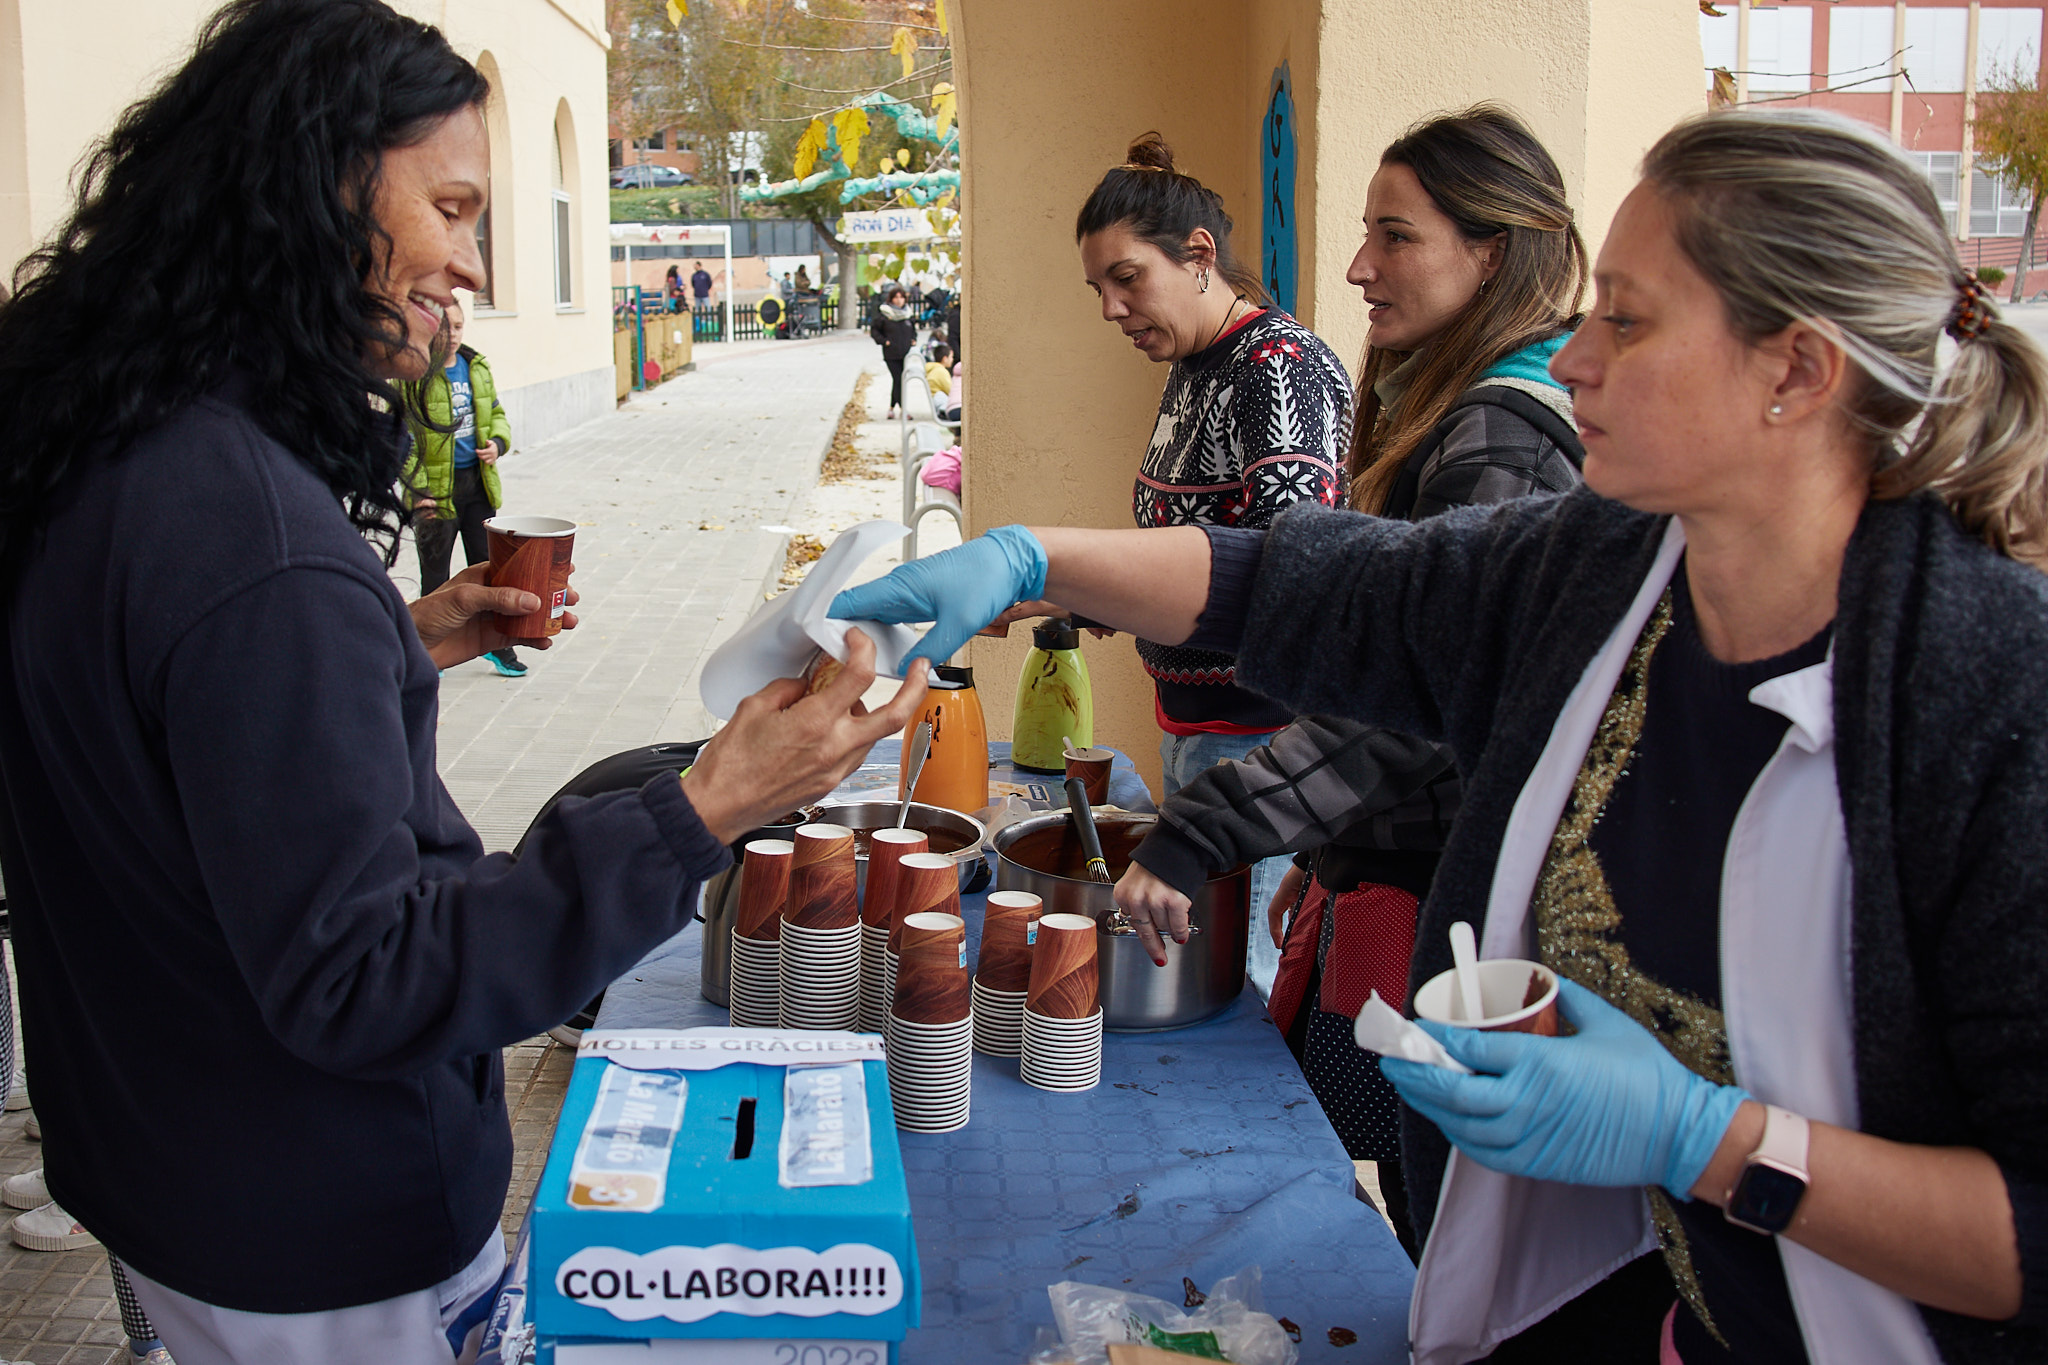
pixel 1051 92
pixel 1051 95
pixel 63 81
pixel 547 60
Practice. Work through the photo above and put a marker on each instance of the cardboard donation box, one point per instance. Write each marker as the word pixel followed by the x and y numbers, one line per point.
pixel 723 1195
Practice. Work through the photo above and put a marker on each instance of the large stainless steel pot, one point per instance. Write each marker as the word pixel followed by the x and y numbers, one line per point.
pixel 1043 855
pixel 721 896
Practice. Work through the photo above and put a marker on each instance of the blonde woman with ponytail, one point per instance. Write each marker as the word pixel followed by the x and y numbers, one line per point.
pixel 1753 735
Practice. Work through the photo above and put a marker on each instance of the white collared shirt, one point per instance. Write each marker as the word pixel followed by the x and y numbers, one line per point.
pixel 1505 1252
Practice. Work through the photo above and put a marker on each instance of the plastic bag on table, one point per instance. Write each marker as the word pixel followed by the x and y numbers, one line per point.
pixel 1228 1325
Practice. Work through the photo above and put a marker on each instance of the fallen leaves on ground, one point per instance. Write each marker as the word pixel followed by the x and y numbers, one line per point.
pixel 844 460
pixel 803 552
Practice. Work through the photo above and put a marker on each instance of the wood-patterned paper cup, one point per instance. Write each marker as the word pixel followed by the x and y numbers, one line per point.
pixel 1092 767
pixel 931 970
pixel 533 553
pixel 822 893
pixel 930 883
pixel 764 885
pixel 886 850
pixel 1009 931
pixel 1064 983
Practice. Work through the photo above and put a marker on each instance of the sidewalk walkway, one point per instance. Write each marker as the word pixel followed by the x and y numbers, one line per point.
pixel 670 493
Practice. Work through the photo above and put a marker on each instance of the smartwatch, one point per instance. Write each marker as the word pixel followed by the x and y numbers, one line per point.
pixel 1773 1178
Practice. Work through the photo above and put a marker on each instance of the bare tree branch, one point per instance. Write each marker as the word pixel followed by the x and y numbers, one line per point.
pixel 867 89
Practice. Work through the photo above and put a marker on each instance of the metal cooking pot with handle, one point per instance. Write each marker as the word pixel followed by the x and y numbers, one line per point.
pixel 1043 855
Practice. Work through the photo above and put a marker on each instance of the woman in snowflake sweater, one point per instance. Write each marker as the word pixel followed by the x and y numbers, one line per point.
pixel 1254 418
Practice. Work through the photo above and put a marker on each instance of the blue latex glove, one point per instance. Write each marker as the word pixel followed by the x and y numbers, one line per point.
pixel 959 590
pixel 1607 1106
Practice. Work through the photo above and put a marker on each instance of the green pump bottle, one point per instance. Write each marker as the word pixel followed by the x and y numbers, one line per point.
pixel 1054 700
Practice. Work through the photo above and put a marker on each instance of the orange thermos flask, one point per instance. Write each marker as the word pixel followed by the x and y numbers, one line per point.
pixel 955 774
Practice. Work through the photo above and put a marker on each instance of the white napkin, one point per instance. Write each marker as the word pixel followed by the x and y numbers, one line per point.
pixel 1382 1029
pixel 780 639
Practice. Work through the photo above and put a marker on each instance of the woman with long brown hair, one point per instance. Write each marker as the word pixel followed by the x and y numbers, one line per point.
pixel 1472 267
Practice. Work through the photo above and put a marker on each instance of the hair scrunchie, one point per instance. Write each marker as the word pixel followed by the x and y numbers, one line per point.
pixel 1974 311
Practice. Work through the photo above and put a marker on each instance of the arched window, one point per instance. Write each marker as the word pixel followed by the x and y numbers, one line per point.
pixel 562 205
pixel 494 229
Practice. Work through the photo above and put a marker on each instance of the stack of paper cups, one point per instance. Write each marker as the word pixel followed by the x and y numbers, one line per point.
pixel 1002 976
pixel 886 850
pixel 1062 1013
pixel 928 884
pixel 821 932
pixel 931 1058
pixel 756 987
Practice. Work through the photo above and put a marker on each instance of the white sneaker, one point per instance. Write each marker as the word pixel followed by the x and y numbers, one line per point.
pixel 25 1191
pixel 31 1129
pixel 49 1228
pixel 17 1090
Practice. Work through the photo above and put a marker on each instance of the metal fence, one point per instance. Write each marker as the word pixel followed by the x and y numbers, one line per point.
pixel 806 317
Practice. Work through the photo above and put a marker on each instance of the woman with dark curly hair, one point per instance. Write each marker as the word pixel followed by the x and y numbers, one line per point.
pixel 266 967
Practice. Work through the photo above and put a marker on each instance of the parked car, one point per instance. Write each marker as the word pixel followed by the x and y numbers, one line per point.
pixel 648 176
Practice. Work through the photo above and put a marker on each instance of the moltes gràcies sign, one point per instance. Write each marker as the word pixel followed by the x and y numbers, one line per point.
pixel 687 1284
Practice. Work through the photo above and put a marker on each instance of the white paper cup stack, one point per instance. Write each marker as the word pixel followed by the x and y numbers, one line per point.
pixel 755 991
pixel 930 1071
pixel 931 1026
pixel 1062 1054
pixel 820 977
pixel 1009 930
pixel 887 848
pixel 998 1020
pixel 874 978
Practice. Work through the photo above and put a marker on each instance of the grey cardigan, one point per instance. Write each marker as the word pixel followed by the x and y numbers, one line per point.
pixel 1473 627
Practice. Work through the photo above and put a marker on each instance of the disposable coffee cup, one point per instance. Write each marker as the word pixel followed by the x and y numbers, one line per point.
pixel 1517 996
pixel 1092 767
pixel 534 554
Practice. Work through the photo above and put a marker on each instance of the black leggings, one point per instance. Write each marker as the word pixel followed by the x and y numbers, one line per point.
pixel 435 536
pixel 895 380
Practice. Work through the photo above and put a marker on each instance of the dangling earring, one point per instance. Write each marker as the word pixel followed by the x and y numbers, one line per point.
pixel 1205 281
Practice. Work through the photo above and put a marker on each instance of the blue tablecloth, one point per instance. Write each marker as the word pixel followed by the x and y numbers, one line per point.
pixel 1200 1153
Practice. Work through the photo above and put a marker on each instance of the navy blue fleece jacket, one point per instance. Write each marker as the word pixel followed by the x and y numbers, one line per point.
pixel 266 967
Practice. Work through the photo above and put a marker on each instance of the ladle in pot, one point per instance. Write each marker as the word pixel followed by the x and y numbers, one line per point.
pixel 913 768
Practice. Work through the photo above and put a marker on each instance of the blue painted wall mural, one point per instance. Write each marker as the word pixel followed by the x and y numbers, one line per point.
pixel 1276 179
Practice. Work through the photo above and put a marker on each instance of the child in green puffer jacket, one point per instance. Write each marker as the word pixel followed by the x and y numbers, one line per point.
pixel 454 474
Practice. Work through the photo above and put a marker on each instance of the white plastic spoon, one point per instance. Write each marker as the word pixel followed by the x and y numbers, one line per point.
pixel 1465 963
